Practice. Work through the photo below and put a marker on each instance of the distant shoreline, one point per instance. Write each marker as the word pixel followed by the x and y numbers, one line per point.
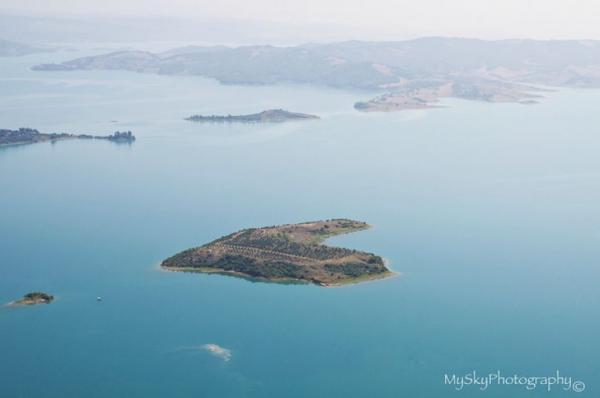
pixel 414 74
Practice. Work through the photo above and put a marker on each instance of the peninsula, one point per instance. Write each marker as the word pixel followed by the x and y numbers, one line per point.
pixel 285 253
pixel 33 299
pixel 268 116
pixel 425 94
pixel 31 136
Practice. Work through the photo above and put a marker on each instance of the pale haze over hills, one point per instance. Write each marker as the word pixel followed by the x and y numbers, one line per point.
pixel 403 49
pixel 414 73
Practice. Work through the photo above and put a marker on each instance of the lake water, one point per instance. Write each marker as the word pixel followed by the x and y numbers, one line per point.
pixel 489 211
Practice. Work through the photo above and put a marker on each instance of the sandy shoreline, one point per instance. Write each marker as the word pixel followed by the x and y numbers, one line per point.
pixel 376 278
pixel 351 282
pixel 17 304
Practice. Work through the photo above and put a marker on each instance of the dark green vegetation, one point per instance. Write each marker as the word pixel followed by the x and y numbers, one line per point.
pixel 31 136
pixel 268 116
pixel 413 73
pixel 291 252
pixel 35 298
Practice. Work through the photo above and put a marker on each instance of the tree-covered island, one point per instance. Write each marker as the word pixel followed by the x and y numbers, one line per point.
pixel 285 253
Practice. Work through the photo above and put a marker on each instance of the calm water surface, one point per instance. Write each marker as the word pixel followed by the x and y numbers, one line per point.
pixel 490 212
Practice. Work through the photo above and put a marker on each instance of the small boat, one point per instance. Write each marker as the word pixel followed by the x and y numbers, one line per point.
pixel 98 298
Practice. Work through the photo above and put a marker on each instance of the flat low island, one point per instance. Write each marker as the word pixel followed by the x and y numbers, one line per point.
pixel 268 116
pixel 285 253
pixel 33 298
pixel 31 136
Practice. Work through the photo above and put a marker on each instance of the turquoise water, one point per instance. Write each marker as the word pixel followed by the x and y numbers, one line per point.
pixel 490 212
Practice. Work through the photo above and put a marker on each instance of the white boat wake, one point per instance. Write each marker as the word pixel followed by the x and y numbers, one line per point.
pixel 218 351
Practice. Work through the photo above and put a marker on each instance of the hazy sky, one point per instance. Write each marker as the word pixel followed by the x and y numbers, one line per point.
pixel 475 18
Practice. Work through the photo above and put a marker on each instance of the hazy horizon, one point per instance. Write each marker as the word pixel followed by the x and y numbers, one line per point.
pixel 335 20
